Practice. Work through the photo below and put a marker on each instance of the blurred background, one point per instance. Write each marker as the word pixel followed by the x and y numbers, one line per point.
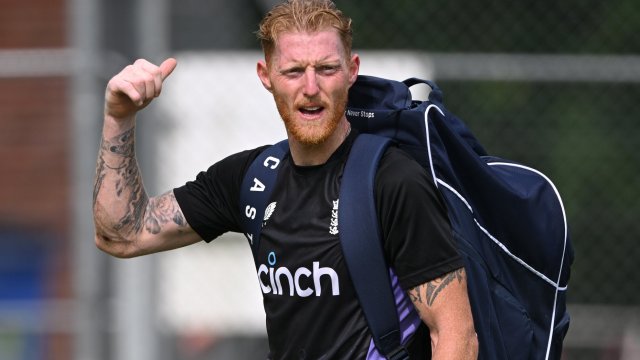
pixel 553 84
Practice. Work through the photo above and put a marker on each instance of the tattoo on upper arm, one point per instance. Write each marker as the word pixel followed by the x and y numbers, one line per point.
pixel 433 288
pixel 162 210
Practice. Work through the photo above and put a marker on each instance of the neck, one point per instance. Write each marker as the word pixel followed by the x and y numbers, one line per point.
pixel 318 154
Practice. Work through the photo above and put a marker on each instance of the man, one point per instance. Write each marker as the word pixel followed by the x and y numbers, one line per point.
pixel 308 68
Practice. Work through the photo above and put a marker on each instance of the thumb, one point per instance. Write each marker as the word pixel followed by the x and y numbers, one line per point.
pixel 167 66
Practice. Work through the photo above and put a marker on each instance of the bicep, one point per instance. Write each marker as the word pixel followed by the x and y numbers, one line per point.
pixel 165 226
pixel 443 304
pixel 433 298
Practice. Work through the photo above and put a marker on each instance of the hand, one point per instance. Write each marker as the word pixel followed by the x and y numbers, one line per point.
pixel 135 87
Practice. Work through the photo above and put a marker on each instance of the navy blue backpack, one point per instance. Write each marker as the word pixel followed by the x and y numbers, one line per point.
pixel 508 222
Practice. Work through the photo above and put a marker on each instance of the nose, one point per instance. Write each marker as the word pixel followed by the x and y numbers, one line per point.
pixel 311 87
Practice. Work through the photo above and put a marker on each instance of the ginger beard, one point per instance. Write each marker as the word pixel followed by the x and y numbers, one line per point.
pixel 312 132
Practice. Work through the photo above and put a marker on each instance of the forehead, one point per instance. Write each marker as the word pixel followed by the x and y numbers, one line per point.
pixel 308 47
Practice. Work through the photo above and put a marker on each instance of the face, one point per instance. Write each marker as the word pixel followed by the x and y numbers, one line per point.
pixel 309 76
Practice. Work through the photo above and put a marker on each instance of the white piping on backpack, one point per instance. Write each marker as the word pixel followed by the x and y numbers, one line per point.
pixel 426 128
pixel 564 247
pixel 501 245
pixel 455 192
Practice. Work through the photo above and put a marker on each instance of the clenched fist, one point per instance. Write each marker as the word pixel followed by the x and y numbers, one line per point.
pixel 135 87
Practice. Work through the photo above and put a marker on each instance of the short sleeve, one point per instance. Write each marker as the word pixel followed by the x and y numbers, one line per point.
pixel 210 203
pixel 418 240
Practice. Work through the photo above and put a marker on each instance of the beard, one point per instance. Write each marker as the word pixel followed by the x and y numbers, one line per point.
pixel 312 132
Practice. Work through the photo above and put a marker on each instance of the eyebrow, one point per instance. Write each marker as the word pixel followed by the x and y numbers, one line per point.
pixel 321 63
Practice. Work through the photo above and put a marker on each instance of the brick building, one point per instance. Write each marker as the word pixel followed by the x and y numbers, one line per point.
pixel 35 178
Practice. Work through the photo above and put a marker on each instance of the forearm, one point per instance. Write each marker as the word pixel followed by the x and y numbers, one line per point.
pixel 462 345
pixel 119 198
pixel 129 223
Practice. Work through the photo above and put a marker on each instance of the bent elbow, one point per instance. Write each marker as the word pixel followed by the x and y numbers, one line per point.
pixel 474 346
pixel 115 248
pixel 471 341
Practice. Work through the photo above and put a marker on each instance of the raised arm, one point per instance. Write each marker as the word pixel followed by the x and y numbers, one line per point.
pixel 128 223
pixel 443 304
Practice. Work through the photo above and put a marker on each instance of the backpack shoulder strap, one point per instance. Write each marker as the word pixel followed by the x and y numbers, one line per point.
pixel 362 244
pixel 255 191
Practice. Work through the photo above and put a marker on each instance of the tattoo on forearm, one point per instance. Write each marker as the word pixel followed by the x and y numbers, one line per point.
pixel 99 178
pixel 129 180
pixel 141 212
pixel 122 144
pixel 433 288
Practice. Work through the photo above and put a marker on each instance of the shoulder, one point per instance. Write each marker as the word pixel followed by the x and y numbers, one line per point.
pixel 223 176
pixel 401 184
pixel 209 202
pixel 413 220
pixel 399 168
pixel 240 160
pixel 232 167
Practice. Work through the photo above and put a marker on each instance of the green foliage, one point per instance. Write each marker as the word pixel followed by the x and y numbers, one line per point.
pixel 526 26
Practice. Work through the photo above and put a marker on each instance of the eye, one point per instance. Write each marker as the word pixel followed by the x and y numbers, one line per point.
pixel 293 72
pixel 327 69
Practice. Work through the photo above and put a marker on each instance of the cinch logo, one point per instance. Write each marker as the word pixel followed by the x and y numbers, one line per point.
pixel 273 280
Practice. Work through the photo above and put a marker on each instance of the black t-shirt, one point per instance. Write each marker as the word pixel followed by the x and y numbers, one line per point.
pixel 311 307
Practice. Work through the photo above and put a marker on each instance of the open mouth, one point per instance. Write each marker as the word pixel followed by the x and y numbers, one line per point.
pixel 311 110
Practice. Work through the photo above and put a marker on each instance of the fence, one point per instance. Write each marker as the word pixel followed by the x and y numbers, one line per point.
pixel 552 84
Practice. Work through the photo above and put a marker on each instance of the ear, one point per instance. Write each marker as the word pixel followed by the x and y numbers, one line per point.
pixel 263 73
pixel 354 68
